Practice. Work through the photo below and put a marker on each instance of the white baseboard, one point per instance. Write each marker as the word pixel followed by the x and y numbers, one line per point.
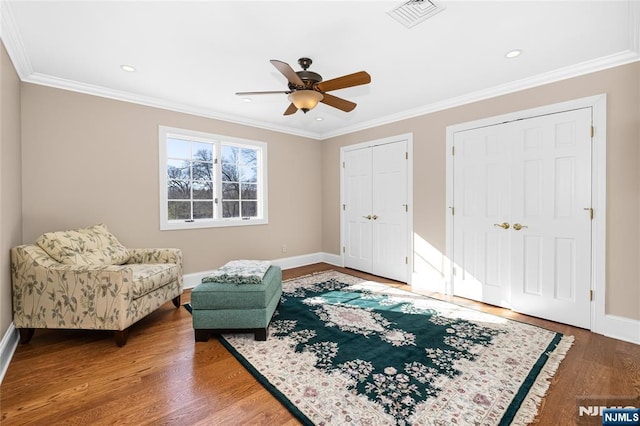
pixel 619 328
pixel 8 347
pixel 195 278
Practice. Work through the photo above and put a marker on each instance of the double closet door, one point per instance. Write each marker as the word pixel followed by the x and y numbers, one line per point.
pixel 522 219
pixel 375 209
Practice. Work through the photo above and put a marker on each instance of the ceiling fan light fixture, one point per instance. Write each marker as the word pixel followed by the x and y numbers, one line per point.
pixel 305 99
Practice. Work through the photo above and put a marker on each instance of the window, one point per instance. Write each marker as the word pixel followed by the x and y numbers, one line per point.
pixel 209 180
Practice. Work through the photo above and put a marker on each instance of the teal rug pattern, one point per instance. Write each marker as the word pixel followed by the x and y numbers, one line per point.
pixel 342 350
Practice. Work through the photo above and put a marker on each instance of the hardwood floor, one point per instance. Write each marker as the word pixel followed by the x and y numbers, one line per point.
pixel 162 376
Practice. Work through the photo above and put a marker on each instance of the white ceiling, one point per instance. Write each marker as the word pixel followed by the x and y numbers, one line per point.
pixel 194 56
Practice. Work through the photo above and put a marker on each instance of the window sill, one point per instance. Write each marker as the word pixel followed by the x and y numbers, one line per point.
pixel 220 223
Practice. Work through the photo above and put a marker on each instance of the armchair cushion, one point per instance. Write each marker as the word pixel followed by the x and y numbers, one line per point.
pixel 150 277
pixel 94 246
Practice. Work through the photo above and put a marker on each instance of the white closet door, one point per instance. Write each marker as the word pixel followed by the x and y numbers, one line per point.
pixel 551 273
pixel 389 211
pixel 533 175
pixel 376 215
pixel 358 198
pixel 482 203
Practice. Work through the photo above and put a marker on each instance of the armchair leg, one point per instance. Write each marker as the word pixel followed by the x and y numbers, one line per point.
pixel 26 334
pixel 120 337
pixel 176 301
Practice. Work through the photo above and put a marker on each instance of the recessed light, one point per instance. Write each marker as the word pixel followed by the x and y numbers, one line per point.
pixel 127 68
pixel 513 54
pixel 319 118
pixel 247 100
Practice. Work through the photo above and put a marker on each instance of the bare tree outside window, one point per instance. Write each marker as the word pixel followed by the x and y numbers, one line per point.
pixel 191 179
pixel 239 181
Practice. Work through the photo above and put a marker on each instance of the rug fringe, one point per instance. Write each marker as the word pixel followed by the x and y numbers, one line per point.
pixel 531 404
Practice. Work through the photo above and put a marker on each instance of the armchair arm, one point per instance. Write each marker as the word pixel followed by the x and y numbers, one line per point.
pixel 48 294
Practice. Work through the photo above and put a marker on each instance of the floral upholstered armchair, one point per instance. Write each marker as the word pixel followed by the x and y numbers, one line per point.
pixel 86 279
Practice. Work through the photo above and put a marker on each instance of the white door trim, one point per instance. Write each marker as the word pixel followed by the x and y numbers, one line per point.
pixel 402 137
pixel 598 103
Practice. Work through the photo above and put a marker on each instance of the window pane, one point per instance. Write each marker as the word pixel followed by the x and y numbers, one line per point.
pixel 229 154
pixel 203 209
pixel 178 148
pixel 248 174
pixel 202 191
pixel 229 173
pixel 179 210
pixel 230 191
pixel 179 190
pixel 202 151
pixel 178 169
pixel 249 208
pixel 249 192
pixel 249 157
pixel 230 209
pixel 202 171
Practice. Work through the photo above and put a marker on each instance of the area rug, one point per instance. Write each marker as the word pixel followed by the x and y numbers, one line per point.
pixel 342 350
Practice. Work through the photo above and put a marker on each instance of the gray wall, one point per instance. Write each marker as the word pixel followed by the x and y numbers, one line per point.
pixel 10 181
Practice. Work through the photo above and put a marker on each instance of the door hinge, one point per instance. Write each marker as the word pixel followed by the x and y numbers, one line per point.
pixel 590 212
pixel 591 295
pixel 406 207
pixel 406 155
pixel 593 131
pixel 454 271
pixel 215 161
pixel 453 211
pixel 215 201
pixel 406 260
pixel 344 207
pixel 343 165
pixel 343 249
pixel 453 150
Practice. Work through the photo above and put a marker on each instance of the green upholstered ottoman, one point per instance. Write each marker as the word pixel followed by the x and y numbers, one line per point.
pixel 226 308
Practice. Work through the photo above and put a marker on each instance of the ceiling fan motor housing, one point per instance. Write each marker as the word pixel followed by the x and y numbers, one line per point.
pixel 309 78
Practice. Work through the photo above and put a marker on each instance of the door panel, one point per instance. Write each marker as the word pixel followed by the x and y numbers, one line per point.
pixel 561 224
pixel 358 193
pixel 481 249
pixel 390 210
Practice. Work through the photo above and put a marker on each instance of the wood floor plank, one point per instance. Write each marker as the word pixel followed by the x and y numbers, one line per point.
pixel 162 376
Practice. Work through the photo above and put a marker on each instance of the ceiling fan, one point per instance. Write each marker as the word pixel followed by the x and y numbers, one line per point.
pixel 306 88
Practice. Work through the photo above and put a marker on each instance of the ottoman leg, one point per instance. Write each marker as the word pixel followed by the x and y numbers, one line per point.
pixel 202 335
pixel 260 334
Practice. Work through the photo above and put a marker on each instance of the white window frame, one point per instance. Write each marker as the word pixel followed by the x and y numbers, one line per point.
pixel 217 141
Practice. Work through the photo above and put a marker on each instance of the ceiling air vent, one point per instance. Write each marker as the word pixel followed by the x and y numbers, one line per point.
pixel 415 11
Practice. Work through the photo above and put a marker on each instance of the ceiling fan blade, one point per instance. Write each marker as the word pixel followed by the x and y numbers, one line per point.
pixel 337 102
pixel 291 110
pixel 288 72
pixel 355 79
pixel 272 92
